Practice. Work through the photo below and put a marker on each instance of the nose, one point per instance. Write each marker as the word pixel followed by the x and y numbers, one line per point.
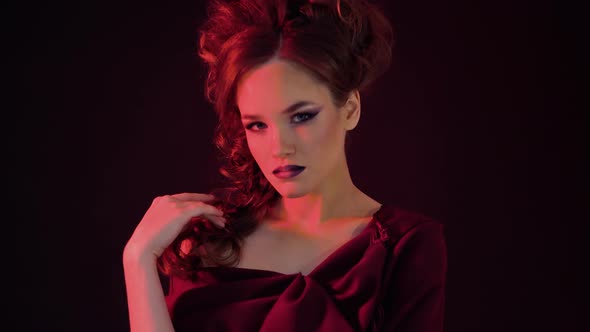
pixel 281 144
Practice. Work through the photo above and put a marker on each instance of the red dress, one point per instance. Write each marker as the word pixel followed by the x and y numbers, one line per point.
pixel 390 277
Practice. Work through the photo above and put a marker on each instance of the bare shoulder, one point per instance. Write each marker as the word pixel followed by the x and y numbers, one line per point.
pixel 281 250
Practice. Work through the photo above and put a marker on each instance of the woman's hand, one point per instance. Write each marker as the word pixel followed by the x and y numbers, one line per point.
pixel 165 219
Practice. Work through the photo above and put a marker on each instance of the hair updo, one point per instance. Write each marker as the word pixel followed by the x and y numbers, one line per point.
pixel 345 44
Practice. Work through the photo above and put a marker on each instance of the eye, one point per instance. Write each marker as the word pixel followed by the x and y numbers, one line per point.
pixel 296 118
pixel 305 116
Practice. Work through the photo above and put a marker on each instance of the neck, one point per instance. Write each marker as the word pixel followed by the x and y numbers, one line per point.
pixel 337 198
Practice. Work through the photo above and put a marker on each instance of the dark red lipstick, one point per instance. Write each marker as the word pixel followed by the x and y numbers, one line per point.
pixel 288 171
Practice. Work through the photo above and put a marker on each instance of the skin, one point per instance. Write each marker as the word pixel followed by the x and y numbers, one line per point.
pixel 161 223
pixel 324 191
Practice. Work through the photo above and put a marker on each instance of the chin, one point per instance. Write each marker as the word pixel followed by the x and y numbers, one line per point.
pixel 290 190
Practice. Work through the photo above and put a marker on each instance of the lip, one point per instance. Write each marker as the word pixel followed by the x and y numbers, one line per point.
pixel 288 168
pixel 289 174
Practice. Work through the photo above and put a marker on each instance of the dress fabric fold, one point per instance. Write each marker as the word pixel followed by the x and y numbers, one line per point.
pixel 390 277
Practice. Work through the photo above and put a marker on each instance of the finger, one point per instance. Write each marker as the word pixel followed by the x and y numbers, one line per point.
pixel 193 197
pixel 200 208
pixel 217 221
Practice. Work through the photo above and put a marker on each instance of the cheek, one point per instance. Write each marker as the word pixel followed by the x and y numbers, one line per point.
pixel 259 148
pixel 253 145
pixel 324 139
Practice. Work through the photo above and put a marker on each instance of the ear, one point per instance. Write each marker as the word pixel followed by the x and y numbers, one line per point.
pixel 351 111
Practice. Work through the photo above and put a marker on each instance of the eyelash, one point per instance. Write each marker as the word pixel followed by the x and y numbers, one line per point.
pixel 310 115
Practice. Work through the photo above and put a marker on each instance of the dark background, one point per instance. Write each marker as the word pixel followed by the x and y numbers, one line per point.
pixel 476 124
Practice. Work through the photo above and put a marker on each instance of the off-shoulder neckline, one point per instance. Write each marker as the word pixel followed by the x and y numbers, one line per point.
pixel 377 217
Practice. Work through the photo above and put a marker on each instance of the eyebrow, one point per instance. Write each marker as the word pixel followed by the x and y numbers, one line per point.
pixel 290 109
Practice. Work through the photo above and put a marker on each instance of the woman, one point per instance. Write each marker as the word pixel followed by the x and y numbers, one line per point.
pixel 289 243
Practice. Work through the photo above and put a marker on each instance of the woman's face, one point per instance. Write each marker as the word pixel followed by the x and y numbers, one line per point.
pixel 290 119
